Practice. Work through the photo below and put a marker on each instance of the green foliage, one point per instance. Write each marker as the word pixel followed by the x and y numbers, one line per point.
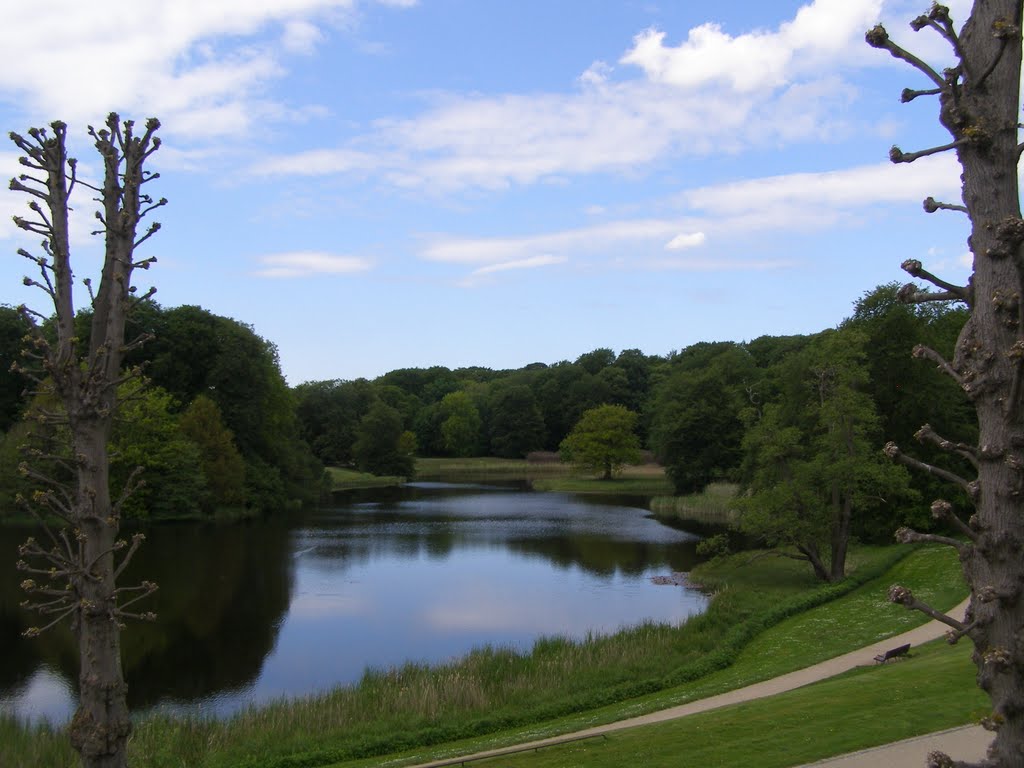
pixel 603 440
pixel 697 412
pixel 381 445
pixel 908 394
pixel 329 412
pixel 12 383
pixel 195 352
pixel 812 460
pixel 461 424
pixel 714 546
pixel 223 467
pixel 146 437
pixel 516 424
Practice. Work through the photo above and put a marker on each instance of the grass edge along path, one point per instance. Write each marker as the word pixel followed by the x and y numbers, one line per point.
pixel 858 709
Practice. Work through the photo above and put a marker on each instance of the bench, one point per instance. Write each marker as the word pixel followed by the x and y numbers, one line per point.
pixel 892 653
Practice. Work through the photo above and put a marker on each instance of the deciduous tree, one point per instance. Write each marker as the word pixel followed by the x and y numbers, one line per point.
pixel 811 464
pixel 603 440
pixel 978 97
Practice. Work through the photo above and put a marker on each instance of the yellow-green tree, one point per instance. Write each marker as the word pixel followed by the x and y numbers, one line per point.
pixel 603 440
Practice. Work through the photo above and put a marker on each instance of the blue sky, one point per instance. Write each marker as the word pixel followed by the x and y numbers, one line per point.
pixel 394 183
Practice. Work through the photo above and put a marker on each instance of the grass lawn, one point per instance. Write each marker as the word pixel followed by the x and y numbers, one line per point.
pixel 868 706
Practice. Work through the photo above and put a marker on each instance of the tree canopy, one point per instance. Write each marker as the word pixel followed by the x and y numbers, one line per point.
pixel 603 440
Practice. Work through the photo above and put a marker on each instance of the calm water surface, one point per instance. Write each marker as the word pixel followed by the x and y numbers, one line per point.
pixel 267 609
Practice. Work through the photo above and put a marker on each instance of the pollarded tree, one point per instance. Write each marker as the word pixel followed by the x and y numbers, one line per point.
pixel 979 106
pixel 603 440
pixel 78 573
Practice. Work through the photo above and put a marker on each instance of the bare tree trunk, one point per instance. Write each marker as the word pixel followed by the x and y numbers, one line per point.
pixel 82 577
pixel 979 106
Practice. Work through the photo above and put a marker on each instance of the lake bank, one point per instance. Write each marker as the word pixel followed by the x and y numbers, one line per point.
pixel 415 706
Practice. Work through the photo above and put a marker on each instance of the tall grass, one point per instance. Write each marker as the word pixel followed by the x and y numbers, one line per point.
pixel 714 505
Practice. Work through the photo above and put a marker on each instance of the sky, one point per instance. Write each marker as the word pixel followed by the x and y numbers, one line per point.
pixel 380 184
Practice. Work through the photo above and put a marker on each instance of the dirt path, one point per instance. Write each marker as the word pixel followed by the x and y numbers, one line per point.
pixel 861 657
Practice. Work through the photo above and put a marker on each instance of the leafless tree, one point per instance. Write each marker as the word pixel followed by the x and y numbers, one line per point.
pixel 73 574
pixel 978 104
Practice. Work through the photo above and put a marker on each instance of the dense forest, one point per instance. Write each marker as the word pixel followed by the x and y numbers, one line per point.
pixel 218 428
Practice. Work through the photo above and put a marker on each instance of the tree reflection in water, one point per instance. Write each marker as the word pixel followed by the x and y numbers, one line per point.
pixel 273 607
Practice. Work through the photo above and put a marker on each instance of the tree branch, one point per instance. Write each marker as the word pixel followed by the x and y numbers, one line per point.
pixel 906 535
pixel 877 37
pixel 914 268
pixel 903 596
pixel 137 540
pixel 922 352
pixel 928 435
pixel 931 205
pixel 893 452
pixel 897 155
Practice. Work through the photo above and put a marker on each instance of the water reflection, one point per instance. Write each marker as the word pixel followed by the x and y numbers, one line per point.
pixel 271 608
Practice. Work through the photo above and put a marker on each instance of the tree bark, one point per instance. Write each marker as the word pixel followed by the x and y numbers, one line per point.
pixel 979 102
pixel 84 572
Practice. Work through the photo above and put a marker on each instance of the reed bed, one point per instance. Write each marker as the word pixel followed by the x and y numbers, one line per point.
pixel 713 506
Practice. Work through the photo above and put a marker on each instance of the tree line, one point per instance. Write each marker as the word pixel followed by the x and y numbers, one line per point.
pixel 216 427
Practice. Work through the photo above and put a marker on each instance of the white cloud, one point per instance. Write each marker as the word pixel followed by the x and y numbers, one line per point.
pixel 599 238
pixel 822 30
pixel 306 263
pixel 301 36
pixel 780 87
pixel 184 60
pixel 532 262
pixel 850 188
pixel 596 74
pixel 787 203
pixel 685 240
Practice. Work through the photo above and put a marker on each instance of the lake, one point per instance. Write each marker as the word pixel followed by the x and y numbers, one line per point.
pixel 287 607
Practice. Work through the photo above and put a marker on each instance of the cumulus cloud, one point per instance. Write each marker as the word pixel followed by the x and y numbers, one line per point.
pixel 822 30
pixel 759 89
pixel 307 263
pixel 175 59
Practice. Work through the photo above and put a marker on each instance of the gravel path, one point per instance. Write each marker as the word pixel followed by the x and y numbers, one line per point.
pixel 961 743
